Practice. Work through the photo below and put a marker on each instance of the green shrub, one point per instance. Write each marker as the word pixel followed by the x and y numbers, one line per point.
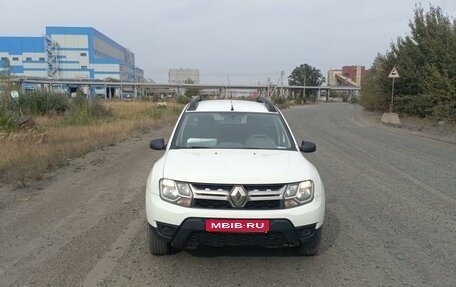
pixel 8 121
pixel 98 110
pixel 43 103
pixel 155 113
pixel 300 100
pixel 452 111
pixel 83 111
pixel 344 97
pixel 426 106
pixel 278 100
pixel 281 102
pixel 176 110
pixel 420 106
pixel 183 100
pixel 9 113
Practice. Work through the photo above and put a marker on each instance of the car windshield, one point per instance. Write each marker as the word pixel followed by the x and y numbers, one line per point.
pixel 232 130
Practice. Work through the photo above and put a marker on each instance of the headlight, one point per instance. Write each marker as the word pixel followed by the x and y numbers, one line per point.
pixel 298 193
pixel 176 192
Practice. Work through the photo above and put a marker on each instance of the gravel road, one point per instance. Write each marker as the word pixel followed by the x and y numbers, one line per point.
pixel 390 219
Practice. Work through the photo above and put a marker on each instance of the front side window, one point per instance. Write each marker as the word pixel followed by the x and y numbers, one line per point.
pixel 232 130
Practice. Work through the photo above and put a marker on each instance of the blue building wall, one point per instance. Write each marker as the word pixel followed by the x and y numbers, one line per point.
pixel 83 52
pixel 19 45
pixel 26 55
pixel 113 61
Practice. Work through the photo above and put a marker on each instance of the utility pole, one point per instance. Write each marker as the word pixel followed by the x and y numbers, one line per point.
pixel 304 89
pixel 229 86
pixel 282 73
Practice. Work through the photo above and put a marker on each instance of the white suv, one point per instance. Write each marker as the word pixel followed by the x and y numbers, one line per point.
pixel 233 175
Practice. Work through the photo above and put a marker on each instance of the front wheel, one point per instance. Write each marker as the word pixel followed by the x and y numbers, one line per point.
pixel 157 245
pixel 311 246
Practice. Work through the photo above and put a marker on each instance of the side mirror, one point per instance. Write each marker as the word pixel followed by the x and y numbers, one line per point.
pixel 157 144
pixel 307 147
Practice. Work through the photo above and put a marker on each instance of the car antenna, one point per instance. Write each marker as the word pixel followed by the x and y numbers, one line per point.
pixel 231 95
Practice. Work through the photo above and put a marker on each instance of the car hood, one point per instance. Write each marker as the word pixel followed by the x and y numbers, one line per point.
pixel 237 166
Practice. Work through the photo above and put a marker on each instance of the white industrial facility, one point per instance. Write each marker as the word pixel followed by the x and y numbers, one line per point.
pixel 182 76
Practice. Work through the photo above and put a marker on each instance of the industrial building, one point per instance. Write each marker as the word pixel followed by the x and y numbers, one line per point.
pixel 347 76
pixel 182 76
pixel 68 53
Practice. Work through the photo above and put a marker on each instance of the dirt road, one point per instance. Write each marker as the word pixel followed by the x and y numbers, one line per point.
pixel 391 217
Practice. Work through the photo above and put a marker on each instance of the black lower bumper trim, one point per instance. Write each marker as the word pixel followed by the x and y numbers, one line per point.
pixel 191 234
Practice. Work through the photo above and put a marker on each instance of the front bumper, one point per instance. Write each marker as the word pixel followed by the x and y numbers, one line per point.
pixel 191 234
pixel 158 210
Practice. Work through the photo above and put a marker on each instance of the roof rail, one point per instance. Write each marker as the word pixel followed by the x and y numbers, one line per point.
pixel 269 105
pixel 194 103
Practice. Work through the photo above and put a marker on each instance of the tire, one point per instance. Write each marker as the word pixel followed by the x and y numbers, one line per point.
pixel 311 246
pixel 157 245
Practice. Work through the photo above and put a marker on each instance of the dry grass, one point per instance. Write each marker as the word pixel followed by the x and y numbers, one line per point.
pixel 29 154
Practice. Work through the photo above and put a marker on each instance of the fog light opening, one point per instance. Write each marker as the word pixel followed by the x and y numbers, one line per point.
pixel 186 202
pixel 290 203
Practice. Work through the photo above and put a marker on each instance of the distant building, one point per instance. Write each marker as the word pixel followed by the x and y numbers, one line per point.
pixel 69 53
pixel 181 76
pixel 139 75
pixel 347 76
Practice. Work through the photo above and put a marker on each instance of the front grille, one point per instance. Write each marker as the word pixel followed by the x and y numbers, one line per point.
pixel 264 204
pixel 262 187
pixel 217 196
pixel 222 204
pixel 202 238
pixel 215 187
pixel 211 204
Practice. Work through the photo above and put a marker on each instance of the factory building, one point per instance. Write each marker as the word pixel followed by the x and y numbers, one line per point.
pixel 347 76
pixel 68 53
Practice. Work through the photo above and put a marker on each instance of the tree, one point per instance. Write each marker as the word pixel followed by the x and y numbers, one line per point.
pixel 9 110
pixel 375 86
pixel 5 68
pixel 426 61
pixel 191 92
pixel 306 75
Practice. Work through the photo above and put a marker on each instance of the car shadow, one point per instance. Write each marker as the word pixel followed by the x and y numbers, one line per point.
pixel 242 252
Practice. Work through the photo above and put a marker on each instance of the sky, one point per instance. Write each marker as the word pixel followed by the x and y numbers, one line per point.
pixel 236 41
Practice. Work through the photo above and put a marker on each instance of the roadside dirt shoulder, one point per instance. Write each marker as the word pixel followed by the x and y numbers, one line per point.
pixel 55 230
pixel 444 132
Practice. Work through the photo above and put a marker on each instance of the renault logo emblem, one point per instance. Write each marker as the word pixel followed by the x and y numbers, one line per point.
pixel 238 196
